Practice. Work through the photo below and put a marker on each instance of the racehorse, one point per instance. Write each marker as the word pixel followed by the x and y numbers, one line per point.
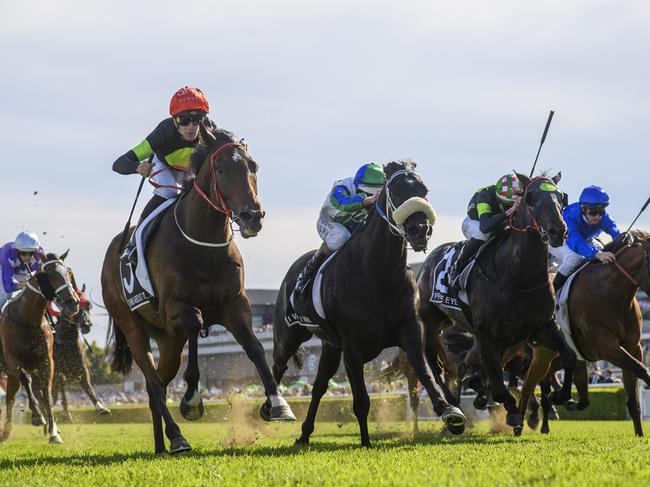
pixel 70 361
pixel 198 274
pixel 511 299
pixel 26 342
pixel 370 298
pixel 606 321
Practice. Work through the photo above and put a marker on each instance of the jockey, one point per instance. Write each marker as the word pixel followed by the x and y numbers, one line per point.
pixel 487 213
pixel 18 260
pixel 171 144
pixel 342 212
pixel 585 220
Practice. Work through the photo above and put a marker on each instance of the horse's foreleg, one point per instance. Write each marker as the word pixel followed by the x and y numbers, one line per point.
pixel 26 381
pixel 411 341
pixel 491 353
pixel 360 400
pixel 414 397
pixel 545 386
pixel 551 337
pixel 610 351
pixel 191 404
pixel 581 379
pixel 64 399
pixel 13 384
pixel 633 407
pixel 328 364
pixel 84 381
pixel 539 367
pixel 238 322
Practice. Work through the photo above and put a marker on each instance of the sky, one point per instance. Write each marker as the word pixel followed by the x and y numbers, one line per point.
pixel 463 88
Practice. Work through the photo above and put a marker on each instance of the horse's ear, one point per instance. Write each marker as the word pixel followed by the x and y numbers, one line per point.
pixel 207 136
pixel 83 287
pixel 557 177
pixel 64 255
pixel 525 180
pixel 410 165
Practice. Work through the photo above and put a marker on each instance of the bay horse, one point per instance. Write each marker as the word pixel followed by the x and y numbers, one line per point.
pixel 606 320
pixel 198 276
pixel 26 342
pixel 370 298
pixel 70 360
pixel 511 300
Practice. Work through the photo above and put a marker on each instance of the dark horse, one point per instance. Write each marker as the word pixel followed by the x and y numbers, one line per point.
pixel 26 342
pixel 606 321
pixel 70 361
pixel 198 275
pixel 370 299
pixel 511 300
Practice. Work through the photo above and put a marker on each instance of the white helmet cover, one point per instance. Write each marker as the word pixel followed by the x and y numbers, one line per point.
pixel 27 242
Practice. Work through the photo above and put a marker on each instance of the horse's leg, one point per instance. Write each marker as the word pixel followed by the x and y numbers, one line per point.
pixel 139 344
pixel 551 337
pixel 360 400
pixel 84 381
pixel 581 380
pixel 630 383
pixel 538 369
pixel 414 397
pixel 286 347
pixel 238 322
pixel 610 351
pixel 533 417
pixel 26 381
pixel 328 364
pixel 433 321
pixel 411 341
pixel 13 384
pixel 492 353
pixel 191 405
pixel 44 379
pixel 64 400
pixel 546 404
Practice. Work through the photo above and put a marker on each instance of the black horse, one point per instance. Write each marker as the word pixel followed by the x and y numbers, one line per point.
pixel 370 298
pixel 511 300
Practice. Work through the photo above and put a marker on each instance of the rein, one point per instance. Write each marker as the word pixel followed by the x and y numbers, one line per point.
pixel 536 227
pixel 220 206
pixel 627 275
pixel 67 285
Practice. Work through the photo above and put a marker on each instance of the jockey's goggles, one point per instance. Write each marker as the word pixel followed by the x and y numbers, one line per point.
pixel 369 189
pixel 26 253
pixel 594 210
pixel 184 120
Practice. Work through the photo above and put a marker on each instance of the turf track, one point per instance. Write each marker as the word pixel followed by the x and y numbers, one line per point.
pixel 577 453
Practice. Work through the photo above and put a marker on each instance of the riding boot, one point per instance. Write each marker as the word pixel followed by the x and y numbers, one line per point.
pixel 152 204
pixel 558 282
pixel 309 271
pixel 469 249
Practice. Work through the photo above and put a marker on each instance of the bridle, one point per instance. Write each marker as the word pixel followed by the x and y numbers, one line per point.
pixel 645 264
pixel 67 284
pixel 220 205
pixel 535 227
pixel 395 228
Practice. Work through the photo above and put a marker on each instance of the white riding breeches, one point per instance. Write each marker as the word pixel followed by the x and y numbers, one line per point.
pixel 472 229
pixel 569 260
pixel 334 234
pixel 167 182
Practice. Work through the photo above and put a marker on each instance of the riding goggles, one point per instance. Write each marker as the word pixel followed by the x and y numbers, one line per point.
pixel 594 210
pixel 184 120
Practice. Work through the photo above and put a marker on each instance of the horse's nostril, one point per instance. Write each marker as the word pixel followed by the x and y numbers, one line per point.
pixel 246 216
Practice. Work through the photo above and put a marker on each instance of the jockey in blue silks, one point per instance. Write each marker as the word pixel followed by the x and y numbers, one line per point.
pixel 585 220
pixel 18 261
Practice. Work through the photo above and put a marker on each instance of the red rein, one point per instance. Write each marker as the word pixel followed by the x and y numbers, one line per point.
pixel 536 226
pixel 221 205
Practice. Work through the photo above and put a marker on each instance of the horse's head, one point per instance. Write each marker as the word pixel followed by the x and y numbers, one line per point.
pixel 638 242
pixel 82 318
pixel 56 281
pixel 408 212
pixel 224 166
pixel 541 208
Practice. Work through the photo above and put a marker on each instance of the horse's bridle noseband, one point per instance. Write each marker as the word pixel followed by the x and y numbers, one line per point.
pixel 67 285
pixel 395 228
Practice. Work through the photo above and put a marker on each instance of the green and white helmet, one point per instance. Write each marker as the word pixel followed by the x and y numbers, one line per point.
pixel 370 178
pixel 507 187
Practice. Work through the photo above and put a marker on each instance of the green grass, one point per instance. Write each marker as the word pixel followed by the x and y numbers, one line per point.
pixel 577 453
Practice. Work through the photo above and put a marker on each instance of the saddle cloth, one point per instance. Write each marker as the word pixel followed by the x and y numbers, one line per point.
pixel 562 312
pixel 136 284
pixel 444 294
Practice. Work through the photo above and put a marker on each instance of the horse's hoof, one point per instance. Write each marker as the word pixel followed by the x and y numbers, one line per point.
pixel 545 430
pixel 557 398
pixel 514 420
pixel 302 441
pixel 265 410
pixel 582 405
pixel 518 429
pixel 38 420
pixel 571 405
pixel 533 422
pixel 366 444
pixel 104 411
pixel 480 402
pixel 66 418
pixel 56 440
pixel 179 445
pixel 189 412
pixel 454 419
pixel 281 411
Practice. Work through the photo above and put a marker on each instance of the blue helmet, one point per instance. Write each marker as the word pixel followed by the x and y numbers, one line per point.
pixel 594 196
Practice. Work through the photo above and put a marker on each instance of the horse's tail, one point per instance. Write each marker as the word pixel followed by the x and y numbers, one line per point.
pixel 117 348
pixel 392 371
pixel 299 357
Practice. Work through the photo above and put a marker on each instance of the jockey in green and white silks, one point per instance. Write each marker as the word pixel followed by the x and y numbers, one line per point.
pixel 344 209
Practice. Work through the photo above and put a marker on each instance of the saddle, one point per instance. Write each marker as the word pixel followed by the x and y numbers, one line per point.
pixel 134 274
pixel 562 314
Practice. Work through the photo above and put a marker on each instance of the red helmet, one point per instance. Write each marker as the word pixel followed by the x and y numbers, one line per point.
pixel 188 99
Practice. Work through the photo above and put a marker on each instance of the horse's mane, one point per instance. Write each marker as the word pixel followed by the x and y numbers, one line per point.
pixel 222 136
pixel 635 235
